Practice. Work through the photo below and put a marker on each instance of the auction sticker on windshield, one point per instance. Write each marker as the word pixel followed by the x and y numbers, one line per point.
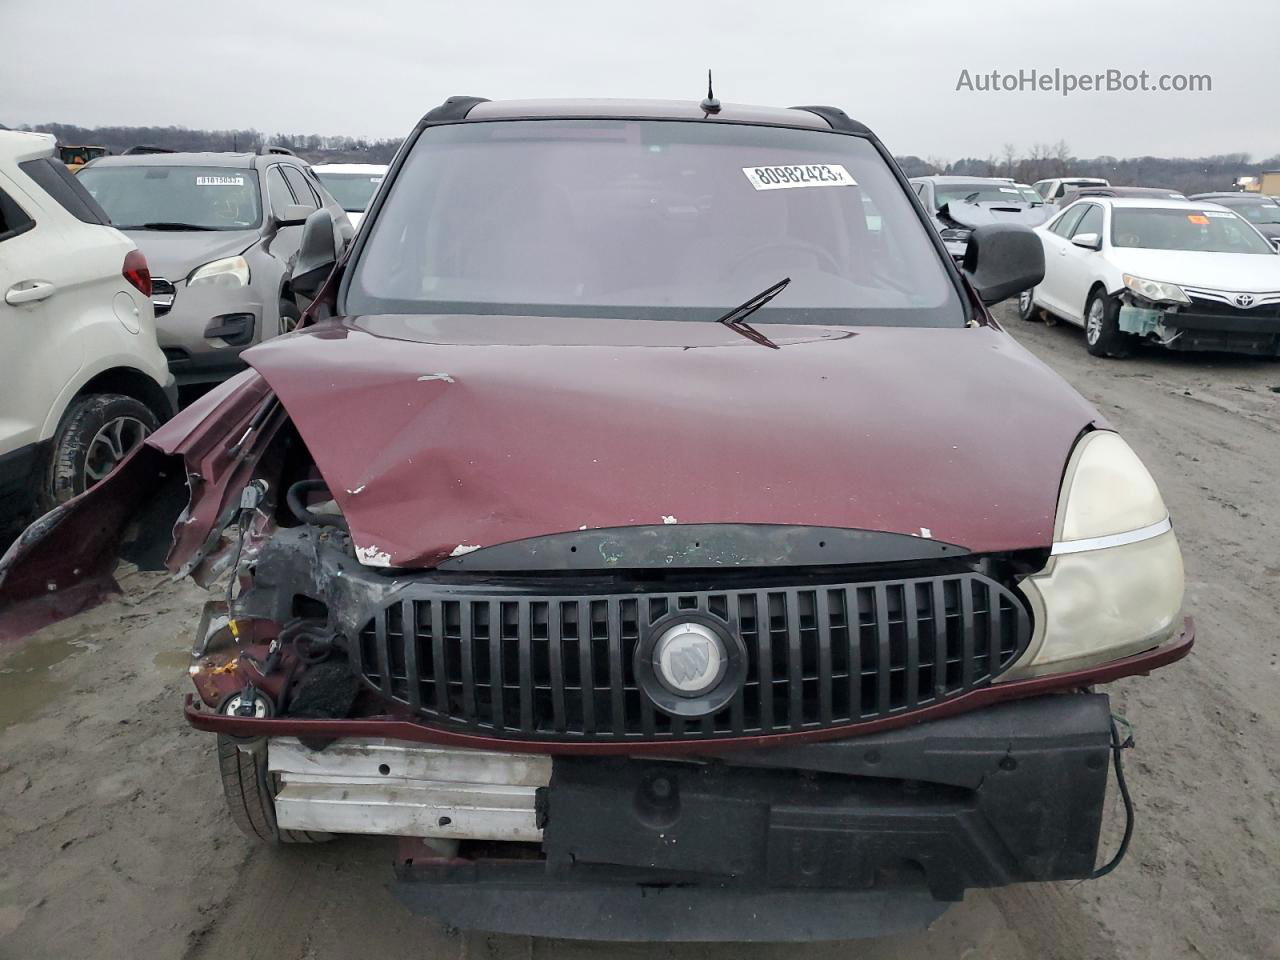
pixel 799 175
pixel 219 181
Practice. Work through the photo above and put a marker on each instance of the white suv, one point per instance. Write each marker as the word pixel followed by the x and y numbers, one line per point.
pixel 82 379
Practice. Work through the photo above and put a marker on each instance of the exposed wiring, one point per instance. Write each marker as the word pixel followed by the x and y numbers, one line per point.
pixel 1116 746
pixel 250 499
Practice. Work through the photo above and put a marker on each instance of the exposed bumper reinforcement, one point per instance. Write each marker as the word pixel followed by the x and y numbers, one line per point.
pixel 860 837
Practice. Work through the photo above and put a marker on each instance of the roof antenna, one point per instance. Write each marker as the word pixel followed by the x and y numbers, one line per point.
pixel 709 103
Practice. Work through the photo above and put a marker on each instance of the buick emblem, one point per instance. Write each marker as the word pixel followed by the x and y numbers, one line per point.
pixel 1244 300
pixel 689 659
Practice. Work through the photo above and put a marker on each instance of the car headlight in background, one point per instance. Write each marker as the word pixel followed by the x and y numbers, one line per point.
pixel 1155 291
pixel 955 233
pixel 229 272
pixel 1113 584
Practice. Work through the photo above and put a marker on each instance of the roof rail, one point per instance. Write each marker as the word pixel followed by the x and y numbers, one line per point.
pixel 271 149
pixel 838 119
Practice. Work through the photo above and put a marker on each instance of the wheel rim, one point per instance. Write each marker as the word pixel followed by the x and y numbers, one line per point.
pixel 1024 302
pixel 111 444
pixel 1093 327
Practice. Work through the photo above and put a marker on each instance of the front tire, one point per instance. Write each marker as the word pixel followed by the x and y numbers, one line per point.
pixel 1102 334
pixel 97 432
pixel 250 792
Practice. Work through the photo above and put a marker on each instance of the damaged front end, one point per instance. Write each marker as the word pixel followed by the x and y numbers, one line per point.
pixel 1187 318
pixel 701 726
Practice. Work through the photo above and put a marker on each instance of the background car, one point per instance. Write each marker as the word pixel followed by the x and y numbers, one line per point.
pixel 352 185
pixel 1055 188
pixel 221 232
pixel 1185 275
pixel 1262 211
pixel 82 380
pixel 1072 194
pixel 957 205
pixel 1029 194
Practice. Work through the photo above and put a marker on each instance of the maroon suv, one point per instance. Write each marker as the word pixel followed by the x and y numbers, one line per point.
pixel 652 528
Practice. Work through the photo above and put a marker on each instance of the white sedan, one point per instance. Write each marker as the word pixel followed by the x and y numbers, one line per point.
pixel 1184 275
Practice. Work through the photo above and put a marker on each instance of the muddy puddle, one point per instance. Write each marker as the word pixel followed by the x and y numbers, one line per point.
pixel 29 681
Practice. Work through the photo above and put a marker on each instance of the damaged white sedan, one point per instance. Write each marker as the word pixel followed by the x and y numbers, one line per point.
pixel 1180 274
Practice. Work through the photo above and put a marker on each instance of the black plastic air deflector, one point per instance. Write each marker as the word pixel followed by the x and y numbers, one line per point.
pixel 703 545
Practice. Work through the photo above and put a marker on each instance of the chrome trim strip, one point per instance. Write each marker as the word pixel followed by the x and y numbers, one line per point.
pixel 1112 540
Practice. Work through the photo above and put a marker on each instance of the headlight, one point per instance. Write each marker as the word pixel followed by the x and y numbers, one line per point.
pixel 1113 584
pixel 231 272
pixel 1155 291
pixel 955 233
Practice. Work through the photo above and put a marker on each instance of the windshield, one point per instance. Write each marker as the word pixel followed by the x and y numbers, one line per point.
pixel 653 220
pixel 977 193
pixel 353 191
pixel 201 198
pixel 1204 231
pixel 1030 195
pixel 1256 211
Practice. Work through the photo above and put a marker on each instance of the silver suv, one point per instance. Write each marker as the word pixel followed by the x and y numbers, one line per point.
pixel 221 232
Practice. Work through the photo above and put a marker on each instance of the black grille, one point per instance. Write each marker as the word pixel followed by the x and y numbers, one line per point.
pixel 1208 309
pixel 162 295
pixel 561 668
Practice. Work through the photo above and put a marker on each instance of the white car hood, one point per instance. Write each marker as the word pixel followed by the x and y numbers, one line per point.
pixel 1241 272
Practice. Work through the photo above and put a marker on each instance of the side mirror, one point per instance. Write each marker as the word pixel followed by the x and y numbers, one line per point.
pixel 295 215
pixel 317 255
pixel 1003 259
pixel 1090 241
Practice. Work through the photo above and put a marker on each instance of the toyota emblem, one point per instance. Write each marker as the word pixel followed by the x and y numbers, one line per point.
pixel 1244 300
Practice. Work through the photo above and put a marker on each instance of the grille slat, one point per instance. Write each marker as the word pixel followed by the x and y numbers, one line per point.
pixel 384 658
pixel 883 700
pixel 555 651
pixel 497 681
pixel 468 665
pixel 409 628
pixel 822 617
pixel 586 667
pixel 795 660
pixel 562 667
pixel 439 669
pixel 525 642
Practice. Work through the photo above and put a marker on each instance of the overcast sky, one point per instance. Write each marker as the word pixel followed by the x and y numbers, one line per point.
pixel 372 68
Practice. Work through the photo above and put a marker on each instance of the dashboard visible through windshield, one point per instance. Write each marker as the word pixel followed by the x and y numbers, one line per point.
pixel 197 198
pixel 650 219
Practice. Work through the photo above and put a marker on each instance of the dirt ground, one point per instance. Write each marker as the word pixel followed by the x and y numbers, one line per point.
pixel 114 842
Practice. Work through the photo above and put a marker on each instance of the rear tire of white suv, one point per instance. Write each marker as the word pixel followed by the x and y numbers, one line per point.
pixel 1102 334
pixel 96 433
pixel 1027 309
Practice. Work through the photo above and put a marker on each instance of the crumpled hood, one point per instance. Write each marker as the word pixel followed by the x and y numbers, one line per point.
pixel 437 434
pixel 981 214
pixel 173 254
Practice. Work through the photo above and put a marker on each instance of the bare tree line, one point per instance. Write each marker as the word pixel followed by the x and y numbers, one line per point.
pixel 1040 161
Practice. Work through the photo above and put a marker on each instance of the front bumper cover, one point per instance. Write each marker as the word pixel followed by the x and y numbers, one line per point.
pixel 858 837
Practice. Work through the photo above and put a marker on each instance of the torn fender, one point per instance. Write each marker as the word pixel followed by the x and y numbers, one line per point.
pixel 163 506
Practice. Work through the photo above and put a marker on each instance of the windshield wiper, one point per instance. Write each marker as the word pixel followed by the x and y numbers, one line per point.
pixel 736 319
pixel 165 225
